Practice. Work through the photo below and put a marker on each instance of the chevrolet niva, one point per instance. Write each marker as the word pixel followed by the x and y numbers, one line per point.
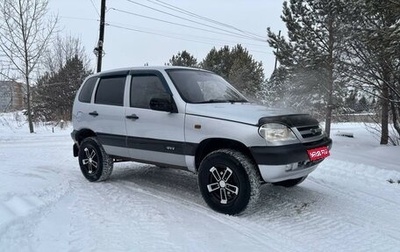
pixel 193 119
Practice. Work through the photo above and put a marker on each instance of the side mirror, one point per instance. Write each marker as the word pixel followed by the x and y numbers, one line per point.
pixel 161 104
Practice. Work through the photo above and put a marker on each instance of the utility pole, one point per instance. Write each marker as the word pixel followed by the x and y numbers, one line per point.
pixel 99 49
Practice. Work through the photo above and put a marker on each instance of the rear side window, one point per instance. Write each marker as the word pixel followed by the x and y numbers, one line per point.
pixel 110 91
pixel 87 90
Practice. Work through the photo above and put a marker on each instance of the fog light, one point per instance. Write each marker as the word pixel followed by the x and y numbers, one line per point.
pixel 291 167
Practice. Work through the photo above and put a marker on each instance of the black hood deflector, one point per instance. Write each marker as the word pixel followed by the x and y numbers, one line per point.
pixel 290 121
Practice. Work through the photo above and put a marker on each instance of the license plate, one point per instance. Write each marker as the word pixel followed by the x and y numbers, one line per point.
pixel 318 153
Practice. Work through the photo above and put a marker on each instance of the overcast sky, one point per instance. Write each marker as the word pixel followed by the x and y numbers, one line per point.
pixel 136 35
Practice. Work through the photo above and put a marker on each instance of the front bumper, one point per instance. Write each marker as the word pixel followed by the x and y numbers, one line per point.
pixel 278 163
pixel 277 173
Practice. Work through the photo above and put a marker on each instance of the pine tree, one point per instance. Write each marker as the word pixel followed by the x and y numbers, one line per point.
pixel 373 55
pixel 56 91
pixel 238 67
pixel 310 56
pixel 362 105
pixel 351 101
pixel 183 59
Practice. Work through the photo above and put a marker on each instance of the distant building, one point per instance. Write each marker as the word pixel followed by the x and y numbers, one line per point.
pixel 12 96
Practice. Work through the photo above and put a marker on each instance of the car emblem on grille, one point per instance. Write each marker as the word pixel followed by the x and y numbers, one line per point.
pixel 315 131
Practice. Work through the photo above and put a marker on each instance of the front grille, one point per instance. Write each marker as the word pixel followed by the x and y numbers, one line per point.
pixel 309 131
pixel 308 134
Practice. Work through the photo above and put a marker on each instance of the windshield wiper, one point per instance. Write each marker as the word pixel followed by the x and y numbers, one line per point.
pixel 242 100
pixel 223 101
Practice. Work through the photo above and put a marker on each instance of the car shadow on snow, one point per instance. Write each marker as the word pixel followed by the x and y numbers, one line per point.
pixel 279 201
pixel 174 182
pixel 274 200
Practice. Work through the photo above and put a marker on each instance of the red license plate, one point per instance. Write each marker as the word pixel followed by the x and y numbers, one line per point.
pixel 318 153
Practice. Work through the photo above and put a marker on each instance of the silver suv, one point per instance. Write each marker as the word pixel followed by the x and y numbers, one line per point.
pixel 192 118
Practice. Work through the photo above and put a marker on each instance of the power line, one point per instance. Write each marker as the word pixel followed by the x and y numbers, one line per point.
pixel 179 35
pixel 147 30
pixel 80 18
pixel 189 13
pixel 196 22
pixel 188 26
pixel 95 8
pixel 152 33
pixel 173 37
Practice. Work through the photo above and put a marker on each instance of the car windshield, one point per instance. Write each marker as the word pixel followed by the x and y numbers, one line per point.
pixel 196 86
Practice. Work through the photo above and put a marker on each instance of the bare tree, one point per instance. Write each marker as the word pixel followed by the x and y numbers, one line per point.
pixel 63 49
pixel 66 65
pixel 25 33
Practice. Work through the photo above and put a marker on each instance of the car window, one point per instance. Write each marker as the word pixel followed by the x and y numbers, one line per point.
pixel 110 91
pixel 144 88
pixel 87 90
pixel 203 87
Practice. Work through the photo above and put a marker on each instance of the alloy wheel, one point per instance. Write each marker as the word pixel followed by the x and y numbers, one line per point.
pixel 91 160
pixel 223 184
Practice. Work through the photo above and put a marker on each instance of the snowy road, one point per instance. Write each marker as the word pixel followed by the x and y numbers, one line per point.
pixel 347 204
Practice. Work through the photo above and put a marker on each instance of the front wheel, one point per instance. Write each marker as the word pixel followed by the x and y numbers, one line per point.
pixel 228 181
pixel 95 164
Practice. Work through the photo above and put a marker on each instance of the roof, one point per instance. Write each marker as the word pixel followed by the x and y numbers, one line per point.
pixel 126 70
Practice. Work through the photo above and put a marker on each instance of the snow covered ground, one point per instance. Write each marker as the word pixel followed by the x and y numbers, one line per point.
pixel 347 204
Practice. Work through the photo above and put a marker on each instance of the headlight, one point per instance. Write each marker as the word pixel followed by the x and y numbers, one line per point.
pixel 275 132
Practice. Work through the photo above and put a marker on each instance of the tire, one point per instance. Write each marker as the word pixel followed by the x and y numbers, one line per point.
pixel 95 164
pixel 229 182
pixel 290 182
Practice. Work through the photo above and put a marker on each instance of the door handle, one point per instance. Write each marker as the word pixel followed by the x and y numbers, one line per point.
pixel 94 113
pixel 133 117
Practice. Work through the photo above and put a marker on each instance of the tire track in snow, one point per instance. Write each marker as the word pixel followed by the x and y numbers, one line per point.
pixel 25 212
pixel 298 216
pixel 204 212
pixel 158 202
pixel 32 189
pixel 318 224
pixel 325 215
pixel 179 188
pixel 151 209
pixel 371 188
pixel 374 179
pixel 115 220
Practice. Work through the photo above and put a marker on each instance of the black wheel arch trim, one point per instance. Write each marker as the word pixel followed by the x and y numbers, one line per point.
pixel 78 135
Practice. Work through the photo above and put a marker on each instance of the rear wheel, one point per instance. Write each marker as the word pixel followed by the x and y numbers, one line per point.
pixel 95 164
pixel 228 181
pixel 290 182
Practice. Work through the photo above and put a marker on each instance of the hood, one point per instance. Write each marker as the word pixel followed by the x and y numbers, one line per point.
pixel 248 113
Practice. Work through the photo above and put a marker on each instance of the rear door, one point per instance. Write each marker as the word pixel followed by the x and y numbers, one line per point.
pixel 108 114
pixel 155 136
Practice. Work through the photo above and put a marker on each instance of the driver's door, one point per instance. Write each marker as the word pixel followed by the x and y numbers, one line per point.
pixel 155 136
